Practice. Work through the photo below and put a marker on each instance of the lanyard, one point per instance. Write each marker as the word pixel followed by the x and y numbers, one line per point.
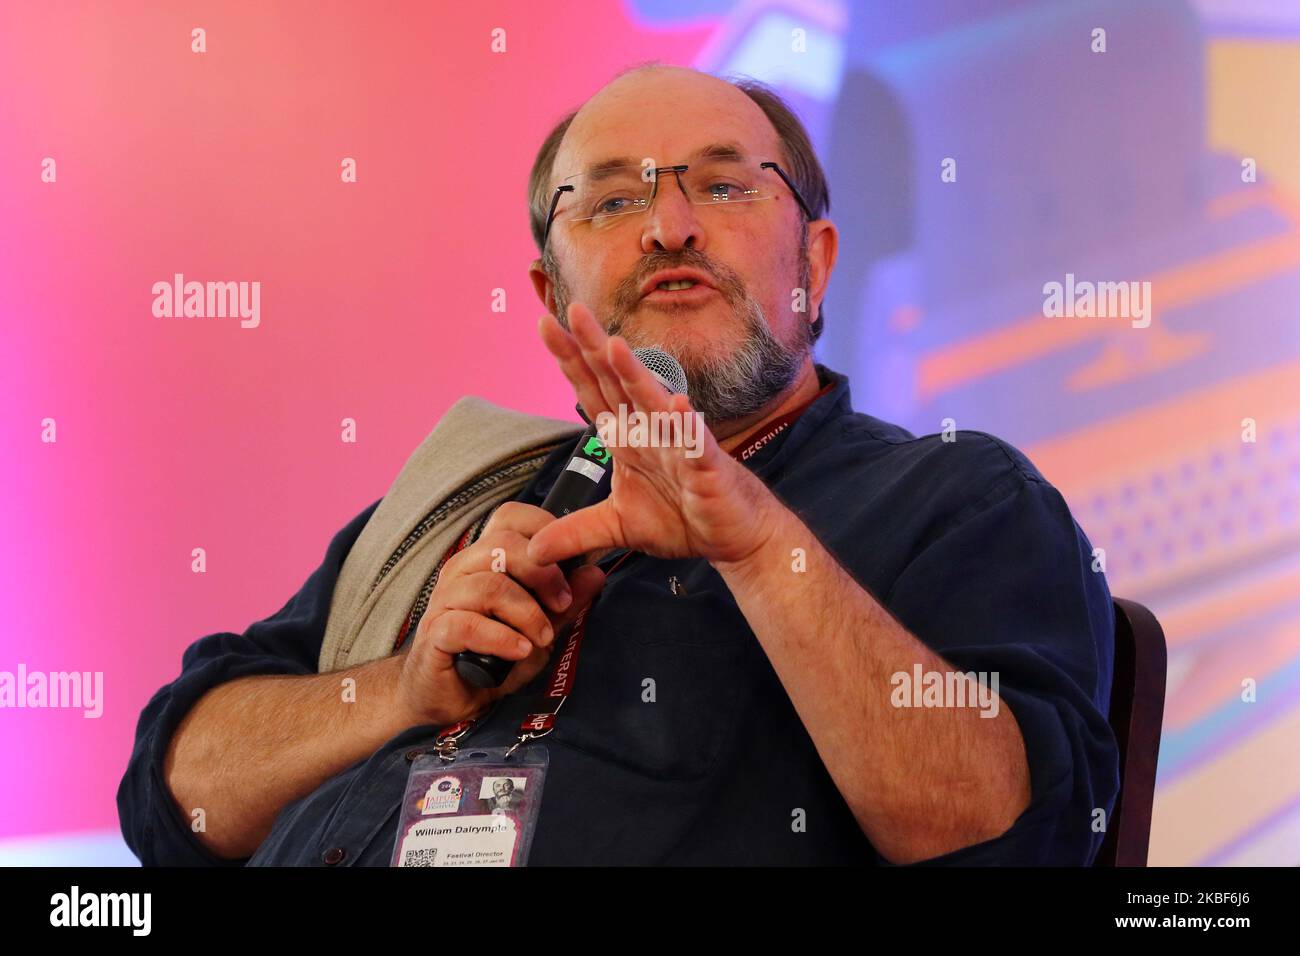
pixel 559 684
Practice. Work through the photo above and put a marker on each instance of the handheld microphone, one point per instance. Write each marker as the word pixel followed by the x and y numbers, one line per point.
pixel 584 481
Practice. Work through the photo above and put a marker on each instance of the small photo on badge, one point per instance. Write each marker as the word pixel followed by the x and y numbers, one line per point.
pixel 499 794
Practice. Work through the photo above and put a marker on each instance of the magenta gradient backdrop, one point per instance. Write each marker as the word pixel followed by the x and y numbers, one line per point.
pixel 183 433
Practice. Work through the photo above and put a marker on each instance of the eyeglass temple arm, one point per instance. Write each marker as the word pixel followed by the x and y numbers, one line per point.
pixel 786 179
pixel 550 215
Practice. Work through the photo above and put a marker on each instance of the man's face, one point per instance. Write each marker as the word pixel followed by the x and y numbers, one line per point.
pixel 740 344
pixel 502 787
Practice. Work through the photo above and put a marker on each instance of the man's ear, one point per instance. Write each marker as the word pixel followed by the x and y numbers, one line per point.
pixel 542 285
pixel 823 250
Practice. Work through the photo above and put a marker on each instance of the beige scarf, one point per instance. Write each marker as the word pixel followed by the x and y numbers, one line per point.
pixel 478 456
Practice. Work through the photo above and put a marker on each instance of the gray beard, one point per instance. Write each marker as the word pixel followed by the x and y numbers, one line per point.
pixel 736 385
pixel 729 387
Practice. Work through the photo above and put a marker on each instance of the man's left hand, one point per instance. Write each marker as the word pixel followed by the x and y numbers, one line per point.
pixel 661 501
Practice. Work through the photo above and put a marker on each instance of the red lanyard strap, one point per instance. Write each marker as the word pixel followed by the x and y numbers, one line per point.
pixel 541 721
pixel 747 450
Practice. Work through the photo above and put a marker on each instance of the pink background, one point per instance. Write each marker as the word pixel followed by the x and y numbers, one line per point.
pixel 178 433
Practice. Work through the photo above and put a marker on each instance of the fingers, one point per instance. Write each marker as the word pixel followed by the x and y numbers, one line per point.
pixel 492 594
pixel 604 371
pixel 506 553
pixel 568 354
pixel 587 529
pixel 509 529
pixel 580 355
pixel 518 516
pixel 459 630
pixel 591 338
pixel 587 582
pixel 645 392
pixel 523 630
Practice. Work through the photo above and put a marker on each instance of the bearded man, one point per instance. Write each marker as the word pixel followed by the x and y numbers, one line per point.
pixel 769 626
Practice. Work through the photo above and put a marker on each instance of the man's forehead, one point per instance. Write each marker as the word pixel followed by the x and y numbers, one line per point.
pixel 601 156
pixel 626 130
pixel 729 149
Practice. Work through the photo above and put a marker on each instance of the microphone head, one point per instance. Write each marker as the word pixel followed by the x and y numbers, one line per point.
pixel 664 368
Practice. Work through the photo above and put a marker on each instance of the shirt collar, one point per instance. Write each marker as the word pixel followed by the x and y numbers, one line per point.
pixel 838 401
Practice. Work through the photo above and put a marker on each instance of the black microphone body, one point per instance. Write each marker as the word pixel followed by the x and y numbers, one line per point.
pixel 584 481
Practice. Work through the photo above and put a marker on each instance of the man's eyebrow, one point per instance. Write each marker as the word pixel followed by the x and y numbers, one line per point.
pixel 728 150
pixel 724 150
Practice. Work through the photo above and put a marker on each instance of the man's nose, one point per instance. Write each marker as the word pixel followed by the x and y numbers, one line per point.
pixel 670 222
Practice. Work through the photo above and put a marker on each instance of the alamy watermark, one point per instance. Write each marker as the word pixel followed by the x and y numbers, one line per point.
pixel 636 429
pixel 922 688
pixel 75 908
pixel 208 300
pixel 57 689
pixel 1116 300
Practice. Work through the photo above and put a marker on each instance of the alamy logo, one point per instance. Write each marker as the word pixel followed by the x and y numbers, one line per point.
pixel 1116 300
pixel 57 689
pixel 102 909
pixel 658 429
pixel 208 300
pixel 946 689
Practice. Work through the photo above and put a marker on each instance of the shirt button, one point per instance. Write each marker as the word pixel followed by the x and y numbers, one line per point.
pixel 334 854
pixel 413 753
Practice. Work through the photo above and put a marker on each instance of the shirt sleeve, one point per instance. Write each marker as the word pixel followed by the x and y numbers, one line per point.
pixel 288 642
pixel 1006 585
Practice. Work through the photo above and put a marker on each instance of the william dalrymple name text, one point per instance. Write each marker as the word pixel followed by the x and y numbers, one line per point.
pixel 208 300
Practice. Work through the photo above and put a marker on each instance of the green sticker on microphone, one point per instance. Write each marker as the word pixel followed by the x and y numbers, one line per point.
pixel 595 450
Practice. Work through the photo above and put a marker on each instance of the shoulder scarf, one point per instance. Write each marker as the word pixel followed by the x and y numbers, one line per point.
pixel 477 457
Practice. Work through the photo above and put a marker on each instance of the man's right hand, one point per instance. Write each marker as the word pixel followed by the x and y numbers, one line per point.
pixel 476 608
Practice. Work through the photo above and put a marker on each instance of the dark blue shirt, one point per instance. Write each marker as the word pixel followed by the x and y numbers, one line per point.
pixel 963 541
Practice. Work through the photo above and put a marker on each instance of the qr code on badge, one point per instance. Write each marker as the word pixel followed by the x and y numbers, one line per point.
pixel 424 857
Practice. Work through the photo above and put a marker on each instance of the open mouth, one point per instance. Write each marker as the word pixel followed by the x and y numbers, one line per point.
pixel 682 291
